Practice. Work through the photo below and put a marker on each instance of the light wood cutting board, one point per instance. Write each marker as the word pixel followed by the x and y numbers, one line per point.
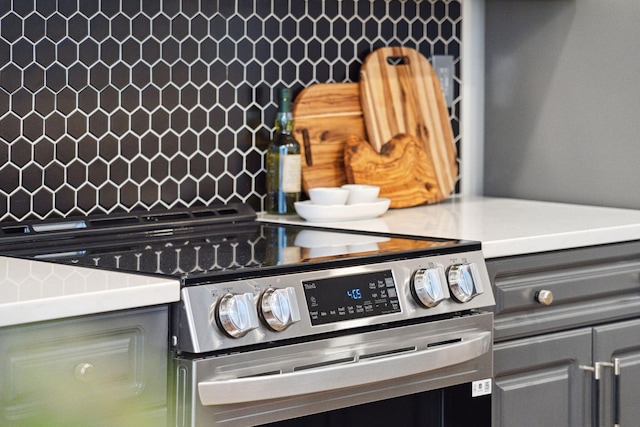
pixel 324 115
pixel 401 170
pixel 400 94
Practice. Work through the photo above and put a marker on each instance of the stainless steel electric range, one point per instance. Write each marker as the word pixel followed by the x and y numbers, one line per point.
pixel 282 324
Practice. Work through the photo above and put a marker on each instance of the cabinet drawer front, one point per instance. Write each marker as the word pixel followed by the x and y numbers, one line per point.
pixel 93 368
pixel 109 362
pixel 588 285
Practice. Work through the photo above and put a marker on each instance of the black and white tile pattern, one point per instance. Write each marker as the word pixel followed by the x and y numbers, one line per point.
pixel 110 105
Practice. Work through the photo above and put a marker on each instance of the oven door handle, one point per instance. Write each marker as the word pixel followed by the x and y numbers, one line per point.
pixel 334 377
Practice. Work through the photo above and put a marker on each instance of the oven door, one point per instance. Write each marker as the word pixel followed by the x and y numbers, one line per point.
pixel 422 371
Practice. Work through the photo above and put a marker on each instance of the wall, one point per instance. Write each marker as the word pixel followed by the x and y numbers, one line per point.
pixel 115 106
pixel 562 102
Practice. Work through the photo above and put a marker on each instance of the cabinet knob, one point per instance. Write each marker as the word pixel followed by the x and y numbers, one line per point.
pixel 544 297
pixel 84 371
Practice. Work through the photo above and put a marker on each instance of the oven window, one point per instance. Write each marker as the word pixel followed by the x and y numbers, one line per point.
pixel 449 407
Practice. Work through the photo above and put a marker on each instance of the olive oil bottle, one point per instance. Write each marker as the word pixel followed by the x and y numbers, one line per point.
pixel 284 163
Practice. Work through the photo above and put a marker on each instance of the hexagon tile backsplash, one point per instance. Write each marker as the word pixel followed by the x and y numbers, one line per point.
pixel 110 105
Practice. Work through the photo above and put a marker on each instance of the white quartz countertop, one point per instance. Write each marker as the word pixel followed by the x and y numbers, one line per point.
pixel 504 226
pixel 33 291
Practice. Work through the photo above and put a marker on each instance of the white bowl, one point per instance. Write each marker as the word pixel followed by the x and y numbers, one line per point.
pixel 319 213
pixel 361 193
pixel 328 195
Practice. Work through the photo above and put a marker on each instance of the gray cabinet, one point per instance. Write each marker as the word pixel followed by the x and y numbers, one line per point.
pixel 546 380
pixel 538 381
pixel 102 370
pixel 619 341
pixel 545 355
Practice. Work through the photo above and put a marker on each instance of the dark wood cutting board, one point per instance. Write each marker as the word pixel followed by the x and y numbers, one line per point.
pixel 400 94
pixel 324 115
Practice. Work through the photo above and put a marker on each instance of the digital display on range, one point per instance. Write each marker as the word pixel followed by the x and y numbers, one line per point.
pixel 335 299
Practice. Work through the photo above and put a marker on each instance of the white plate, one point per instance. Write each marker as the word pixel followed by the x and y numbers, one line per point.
pixel 330 213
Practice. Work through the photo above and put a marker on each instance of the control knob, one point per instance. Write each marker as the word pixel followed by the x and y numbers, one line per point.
pixel 428 286
pixel 279 308
pixel 236 315
pixel 463 281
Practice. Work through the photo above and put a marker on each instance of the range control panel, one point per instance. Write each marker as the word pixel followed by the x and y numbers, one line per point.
pixel 335 299
pixel 227 315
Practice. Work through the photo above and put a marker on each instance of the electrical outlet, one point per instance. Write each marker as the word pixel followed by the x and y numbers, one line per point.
pixel 443 66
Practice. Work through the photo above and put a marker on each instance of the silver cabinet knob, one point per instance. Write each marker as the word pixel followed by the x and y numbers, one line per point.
pixel 84 371
pixel 279 308
pixel 428 286
pixel 236 314
pixel 464 281
pixel 544 297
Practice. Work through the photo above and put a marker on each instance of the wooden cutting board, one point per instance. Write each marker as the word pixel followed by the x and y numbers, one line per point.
pixel 400 94
pixel 401 170
pixel 324 115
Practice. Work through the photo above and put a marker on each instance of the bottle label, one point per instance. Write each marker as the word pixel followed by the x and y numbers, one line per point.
pixel 291 173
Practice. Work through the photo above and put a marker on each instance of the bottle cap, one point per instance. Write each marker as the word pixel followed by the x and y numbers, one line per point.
pixel 285 99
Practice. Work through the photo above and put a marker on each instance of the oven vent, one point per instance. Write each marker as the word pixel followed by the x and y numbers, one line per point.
pixel 126 223
pixel 388 353
pixel 447 342
pixel 263 374
pixel 104 222
pixel 357 358
pixel 180 216
pixel 326 363
pixel 15 230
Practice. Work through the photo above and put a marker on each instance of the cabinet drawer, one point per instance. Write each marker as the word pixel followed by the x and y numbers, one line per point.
pixel 96 370
pixel 589 285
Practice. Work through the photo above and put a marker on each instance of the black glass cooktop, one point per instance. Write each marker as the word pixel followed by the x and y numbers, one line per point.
pixel 197 244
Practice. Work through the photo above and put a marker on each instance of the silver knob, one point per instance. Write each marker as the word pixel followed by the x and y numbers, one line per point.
pixel 279 308
pixel 544 297
pixel 428 286
pixel 463 281
pixel 84 372
pixel 236 314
